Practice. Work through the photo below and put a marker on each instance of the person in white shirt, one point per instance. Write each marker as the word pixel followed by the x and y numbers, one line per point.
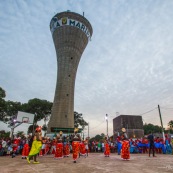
pixel 4 143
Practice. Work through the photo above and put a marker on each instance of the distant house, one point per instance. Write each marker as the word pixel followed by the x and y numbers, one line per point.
pixel 132 123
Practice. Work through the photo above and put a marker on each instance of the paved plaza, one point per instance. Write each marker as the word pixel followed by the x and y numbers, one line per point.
pixel 94 163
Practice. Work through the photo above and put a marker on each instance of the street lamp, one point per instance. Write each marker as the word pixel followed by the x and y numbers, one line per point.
pixel 83 127
pixel 106 118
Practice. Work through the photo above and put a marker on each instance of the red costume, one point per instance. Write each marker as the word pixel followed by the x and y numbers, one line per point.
pixel 25 151
pixel 107 149
pixel 82 149
pixel 125 153
pixel 15 145
pixel 59 147
pixel 66 150
pixel 75 145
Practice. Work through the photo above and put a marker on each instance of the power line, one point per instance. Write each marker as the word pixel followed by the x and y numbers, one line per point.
pixel 112 118
pixel 166 108
pixel 97 125
pixel 148 111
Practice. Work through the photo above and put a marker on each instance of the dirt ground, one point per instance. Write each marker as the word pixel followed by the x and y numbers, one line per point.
pixel 94 163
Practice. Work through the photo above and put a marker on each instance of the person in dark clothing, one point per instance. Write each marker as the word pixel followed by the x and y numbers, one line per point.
pixel 30 140
pixel 151 141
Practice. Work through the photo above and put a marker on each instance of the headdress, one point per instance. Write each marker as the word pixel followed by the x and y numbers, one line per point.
pixel 38 129
pixel 60 132
pixel 123 130
pixel 76 130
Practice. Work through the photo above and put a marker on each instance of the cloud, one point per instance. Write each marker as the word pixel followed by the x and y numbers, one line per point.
pixel 126 68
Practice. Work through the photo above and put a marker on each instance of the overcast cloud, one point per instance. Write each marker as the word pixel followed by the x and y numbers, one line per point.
pixel 127 67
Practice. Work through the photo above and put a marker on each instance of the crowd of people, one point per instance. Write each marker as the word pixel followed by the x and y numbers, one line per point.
pixel 29 147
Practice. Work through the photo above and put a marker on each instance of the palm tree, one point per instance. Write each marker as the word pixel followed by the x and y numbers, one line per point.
pixel 170 124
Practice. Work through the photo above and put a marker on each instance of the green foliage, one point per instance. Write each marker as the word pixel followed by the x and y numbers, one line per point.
pixel 20 133
pixel 170 124
pixel 2 93
pixel 12 108
pixel 40 108
pixel 79 121
pixel 98 137
pixel 2 104
pixel 4 134
pixel 151 128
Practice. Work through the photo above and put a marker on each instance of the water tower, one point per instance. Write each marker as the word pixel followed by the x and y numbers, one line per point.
pixel 71 33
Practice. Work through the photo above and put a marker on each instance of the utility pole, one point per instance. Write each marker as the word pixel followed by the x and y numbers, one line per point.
pixel 106 117
pixel 34 124
pixel 88 129
pixel 161 123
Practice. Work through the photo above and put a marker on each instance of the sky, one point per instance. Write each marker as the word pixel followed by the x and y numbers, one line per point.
pixel 126 68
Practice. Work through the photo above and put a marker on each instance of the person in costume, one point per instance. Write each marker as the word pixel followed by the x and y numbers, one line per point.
pixel 59 146
pixel 26 148
pixel 66 149
pixel 168 146
pixel 36 146
pixel 75 144
pixel 48 145
pixel 53 146
pixel 119 145
pixel 82 148
pixel 86 146
pixel 125 151
pixel 172 143
pixel 42 151
pixel 107 148
pixel 15 145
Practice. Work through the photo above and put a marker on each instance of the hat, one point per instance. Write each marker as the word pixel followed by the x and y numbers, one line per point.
pixel 123 130
pixel 38 129
pixel 76 130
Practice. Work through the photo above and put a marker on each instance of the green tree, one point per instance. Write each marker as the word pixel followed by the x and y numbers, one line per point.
pixel 170 124
pixel 41 108
pixel 98 137
pixel 2 104
pixel 151 128
pixel 20 133
pixel 79 121
pixel 12 109
pixel 4 134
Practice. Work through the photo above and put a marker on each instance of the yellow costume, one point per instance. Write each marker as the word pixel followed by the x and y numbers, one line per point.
pixel 36 145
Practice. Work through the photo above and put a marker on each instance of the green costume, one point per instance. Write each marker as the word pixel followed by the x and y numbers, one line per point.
pixel 35 149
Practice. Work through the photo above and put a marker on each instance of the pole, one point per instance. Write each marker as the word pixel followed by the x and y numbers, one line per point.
pixel 161 123
pixel 12 132
pixel 107 128
pixel 107 123
pixel 83 132
pixel 33 124
pixel 88 129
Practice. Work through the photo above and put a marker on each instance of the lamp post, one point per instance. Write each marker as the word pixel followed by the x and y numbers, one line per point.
pixel 88 129
pixel 106 118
